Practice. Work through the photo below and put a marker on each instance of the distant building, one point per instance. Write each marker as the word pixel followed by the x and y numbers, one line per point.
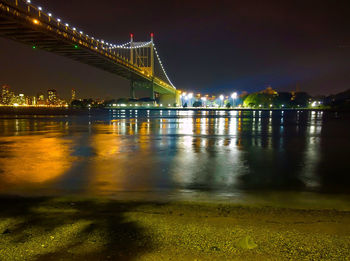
pixel 269 91
pixel 21 100
pixel 52 97
pixel 5 95
pixel 40 99
pixel 32 100
pixel 73 95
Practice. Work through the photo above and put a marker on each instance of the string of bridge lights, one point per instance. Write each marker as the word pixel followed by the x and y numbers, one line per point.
pixel 110 46
pixel 137 46
pixel 122 46
pixel 114 46
pixel 118 46
pixel 161 65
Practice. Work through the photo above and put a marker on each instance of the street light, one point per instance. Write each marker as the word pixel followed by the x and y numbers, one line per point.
pixel 204 99
pixel 190 96
pixel 234 96
pixel 183 98
pixel 222 99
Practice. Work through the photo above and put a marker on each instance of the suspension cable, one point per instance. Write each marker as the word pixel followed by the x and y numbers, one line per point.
pixel 161 65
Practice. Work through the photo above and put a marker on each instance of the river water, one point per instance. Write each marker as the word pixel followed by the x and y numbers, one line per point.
pixel 288 158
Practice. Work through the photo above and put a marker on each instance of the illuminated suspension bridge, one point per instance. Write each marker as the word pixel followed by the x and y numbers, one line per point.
pixel 138 62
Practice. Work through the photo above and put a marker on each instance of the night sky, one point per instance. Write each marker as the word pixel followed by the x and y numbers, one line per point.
pixel 206 46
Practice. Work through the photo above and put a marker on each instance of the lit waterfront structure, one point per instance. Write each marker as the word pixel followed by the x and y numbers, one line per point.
pixel 210 101
pixel 264 99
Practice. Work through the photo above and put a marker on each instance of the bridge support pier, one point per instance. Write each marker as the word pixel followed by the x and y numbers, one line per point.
pixel 170 99
pixel 132 90
pixel 152 96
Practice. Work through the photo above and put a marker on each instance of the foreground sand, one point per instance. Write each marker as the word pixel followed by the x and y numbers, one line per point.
pixel 100 229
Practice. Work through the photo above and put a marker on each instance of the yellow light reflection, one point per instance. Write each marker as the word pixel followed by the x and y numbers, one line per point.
pixel 114 165
pixel 34 159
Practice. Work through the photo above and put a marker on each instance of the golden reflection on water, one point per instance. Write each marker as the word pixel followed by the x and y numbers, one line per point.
pixel 33 159
pixel 118 165
pixel 108 170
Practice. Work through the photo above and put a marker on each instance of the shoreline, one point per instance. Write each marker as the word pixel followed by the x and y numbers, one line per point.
pixel 76 228
pixel 85 111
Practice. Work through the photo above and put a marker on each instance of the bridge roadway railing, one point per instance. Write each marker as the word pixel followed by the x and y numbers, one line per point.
pixel 39 18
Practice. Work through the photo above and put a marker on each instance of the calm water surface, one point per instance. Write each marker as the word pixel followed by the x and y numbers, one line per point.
pixel 286 157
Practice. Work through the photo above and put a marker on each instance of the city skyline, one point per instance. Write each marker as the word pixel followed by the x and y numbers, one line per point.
pixel 267 98
pixel 50 97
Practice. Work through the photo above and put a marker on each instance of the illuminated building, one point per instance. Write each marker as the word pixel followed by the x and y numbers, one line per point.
pixel 52 97
pixel 21 100
pixel 40 99
pixel 33 101
pixel 5 95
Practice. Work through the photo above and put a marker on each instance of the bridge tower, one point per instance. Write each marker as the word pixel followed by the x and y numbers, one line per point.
pixel 131 49
pixel 142 56
pixel 132 87
pixel 152 55
pixel 152 96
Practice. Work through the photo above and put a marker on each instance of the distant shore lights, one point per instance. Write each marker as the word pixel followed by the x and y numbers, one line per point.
pixel 199 100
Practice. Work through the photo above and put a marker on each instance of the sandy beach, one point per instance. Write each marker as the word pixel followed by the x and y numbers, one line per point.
pixel 73 228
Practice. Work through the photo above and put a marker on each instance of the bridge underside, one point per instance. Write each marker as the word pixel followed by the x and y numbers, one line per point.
pixel 165 98
pixel 17 25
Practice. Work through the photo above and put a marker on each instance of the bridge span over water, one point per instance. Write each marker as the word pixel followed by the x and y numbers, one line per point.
pixel 138 62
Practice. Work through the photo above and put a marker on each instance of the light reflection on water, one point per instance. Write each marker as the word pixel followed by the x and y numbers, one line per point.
pixel 221 152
